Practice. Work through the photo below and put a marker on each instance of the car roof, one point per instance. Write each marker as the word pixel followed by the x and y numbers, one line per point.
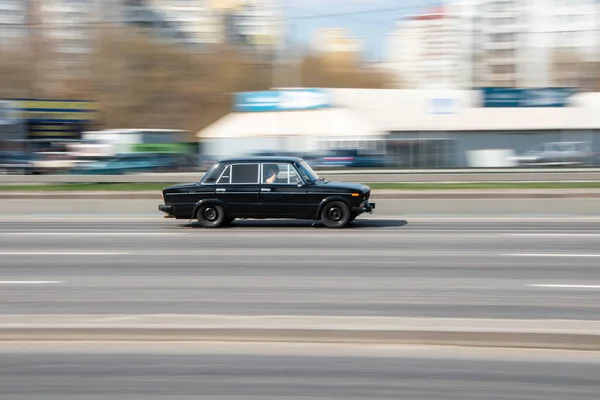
pixel 261 159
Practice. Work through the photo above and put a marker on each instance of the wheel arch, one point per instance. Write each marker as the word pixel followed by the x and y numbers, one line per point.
pixel 209 201
pixel 329 200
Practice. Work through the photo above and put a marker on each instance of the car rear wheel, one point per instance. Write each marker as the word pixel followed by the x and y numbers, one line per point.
pixel 211 215
pixel 336 214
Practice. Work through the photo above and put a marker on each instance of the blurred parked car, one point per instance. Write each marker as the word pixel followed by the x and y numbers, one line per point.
pixel 53 162
pixel 559 153
pixel 18 162
pixel 357 158
pixel 124 164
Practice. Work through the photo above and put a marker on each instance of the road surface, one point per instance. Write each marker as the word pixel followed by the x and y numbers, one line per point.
pixel 454 268
pixel 275 371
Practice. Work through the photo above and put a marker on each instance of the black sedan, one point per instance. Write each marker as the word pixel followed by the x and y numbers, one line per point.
pixel 262 188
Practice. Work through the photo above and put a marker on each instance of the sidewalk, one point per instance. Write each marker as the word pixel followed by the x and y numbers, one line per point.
pixel 556 334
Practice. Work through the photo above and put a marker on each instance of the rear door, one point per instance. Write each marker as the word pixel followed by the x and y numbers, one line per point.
pixel 285 197
pixel 238 188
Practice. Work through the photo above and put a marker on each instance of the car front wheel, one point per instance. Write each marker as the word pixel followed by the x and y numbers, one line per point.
pixel 335 214
pixel 211 215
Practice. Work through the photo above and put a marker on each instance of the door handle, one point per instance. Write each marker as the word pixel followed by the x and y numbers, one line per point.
pixel 265 189
pixel 221 190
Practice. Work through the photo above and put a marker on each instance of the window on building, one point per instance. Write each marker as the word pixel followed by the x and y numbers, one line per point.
pixel 503 69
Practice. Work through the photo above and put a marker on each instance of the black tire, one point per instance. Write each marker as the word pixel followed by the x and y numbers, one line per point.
pixel 210 215
pixel 335 214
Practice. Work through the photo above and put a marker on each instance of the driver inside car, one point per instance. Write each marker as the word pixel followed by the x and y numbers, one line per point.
pixel 272 172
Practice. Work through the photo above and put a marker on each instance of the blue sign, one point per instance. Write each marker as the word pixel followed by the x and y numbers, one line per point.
pixel 442 106
pixel 535 97
pixel 282 100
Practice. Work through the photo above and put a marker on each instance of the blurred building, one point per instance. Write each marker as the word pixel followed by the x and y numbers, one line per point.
pixel 424 50
pixel 256 23
pixel 534 43
pixel 501 53
pixel 13 23
pixel 564 36
pixel 497 43
pixel 337 46
pixel 417 128
pixel 252 24
pixel 66 32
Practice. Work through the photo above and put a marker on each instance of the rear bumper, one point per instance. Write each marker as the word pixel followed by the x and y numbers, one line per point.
pixel 364 208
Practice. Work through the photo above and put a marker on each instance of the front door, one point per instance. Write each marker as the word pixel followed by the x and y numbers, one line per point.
pixel 282 192
pixel 238 188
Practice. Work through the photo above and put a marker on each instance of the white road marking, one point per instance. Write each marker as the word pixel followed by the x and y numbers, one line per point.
pixel 91 233
pixel 553 255
pixel 552 234
pixel 61 253
pixel 113 319
pixel 566 286
pixel 28 282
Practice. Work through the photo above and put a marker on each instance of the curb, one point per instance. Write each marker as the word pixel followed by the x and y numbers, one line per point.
pixel 558 341
pixel 549 334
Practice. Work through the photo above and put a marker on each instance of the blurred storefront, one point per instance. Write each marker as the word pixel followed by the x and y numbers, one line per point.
pixel 12 127
pixel 444 128
pixel 289 120
pixel 44 124
pixel 415 128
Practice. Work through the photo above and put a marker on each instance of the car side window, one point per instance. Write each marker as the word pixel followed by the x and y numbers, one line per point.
pixel 552 147
pixel 279 173
pixel 244 173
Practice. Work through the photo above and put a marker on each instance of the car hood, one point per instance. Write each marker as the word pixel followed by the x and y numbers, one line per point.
pixel 344 186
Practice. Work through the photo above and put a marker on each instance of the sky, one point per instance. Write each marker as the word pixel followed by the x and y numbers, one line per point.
pixel 375 21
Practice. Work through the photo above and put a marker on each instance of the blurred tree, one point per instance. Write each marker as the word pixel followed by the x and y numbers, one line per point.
pixel 14 78
pixel 144 83
pixel 141 82
pixel 323 71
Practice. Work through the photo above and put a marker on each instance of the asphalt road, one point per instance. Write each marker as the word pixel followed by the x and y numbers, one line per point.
pixel 454 268
pixel 404 207
pixel 217 371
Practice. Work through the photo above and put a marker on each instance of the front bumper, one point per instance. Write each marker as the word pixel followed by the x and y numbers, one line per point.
pixel 365 207
pixel 166 209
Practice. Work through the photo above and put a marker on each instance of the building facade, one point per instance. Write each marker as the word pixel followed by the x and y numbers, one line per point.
pixel 13 23
pixel 499 43
pixel 253 24
pixel 424 50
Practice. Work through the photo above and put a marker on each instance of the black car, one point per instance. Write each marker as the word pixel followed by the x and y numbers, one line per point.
pixel 265 187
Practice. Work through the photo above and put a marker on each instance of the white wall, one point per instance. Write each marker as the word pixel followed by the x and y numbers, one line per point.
pixel 238 146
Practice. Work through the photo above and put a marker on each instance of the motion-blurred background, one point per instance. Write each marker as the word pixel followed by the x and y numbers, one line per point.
pixel 117 86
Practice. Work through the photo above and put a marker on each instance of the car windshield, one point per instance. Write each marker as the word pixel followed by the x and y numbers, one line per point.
pixel 307 172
